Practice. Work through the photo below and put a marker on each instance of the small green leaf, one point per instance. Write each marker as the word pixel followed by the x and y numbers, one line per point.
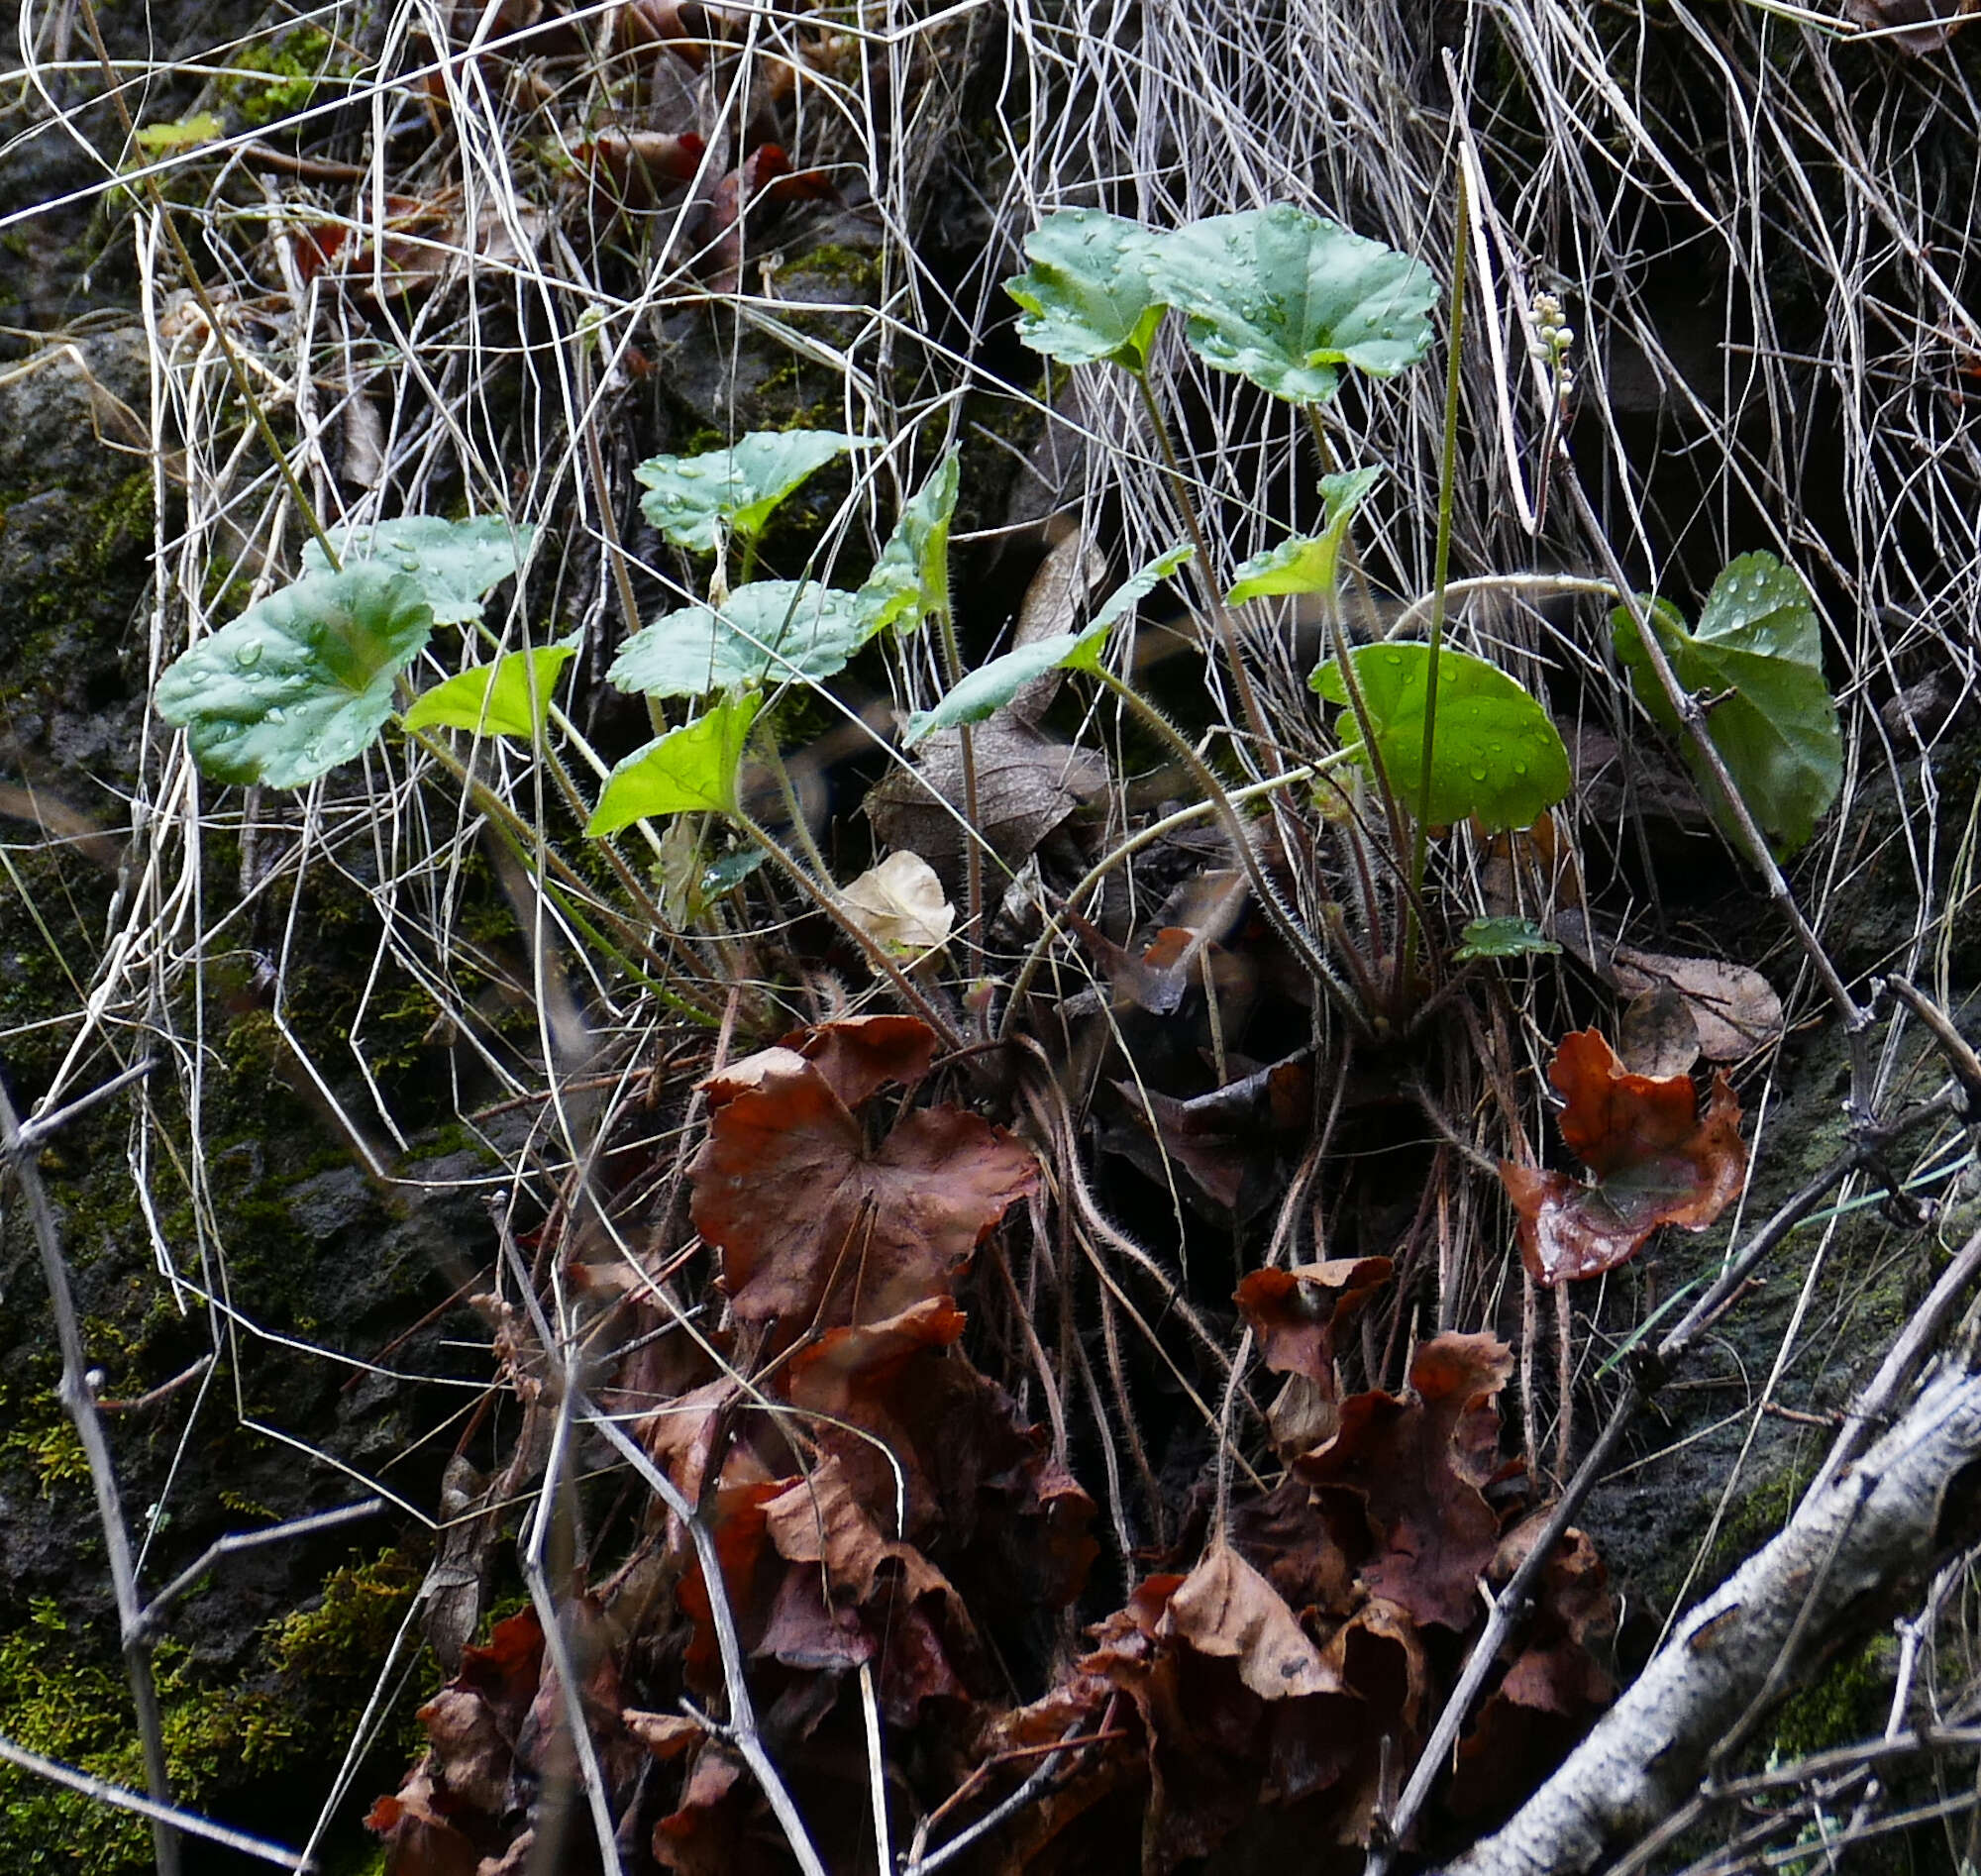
pixel 768 632
pixel 188 132
pixel 728 872
pixel 301 681
pixel 688 770
pixel 987 689
pixel 1778 733
pixel 1503 938
pixel 910 580
pixel 511 697
pixel 690 496
pixel 1498 752
pixel 1088 294
pixel 1284 297
pixel 455 562
pixel 1307 563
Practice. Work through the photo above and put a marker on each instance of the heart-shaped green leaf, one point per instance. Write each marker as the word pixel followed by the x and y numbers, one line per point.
pixel 910 580
pixel 1088 296
pixel 768 632
pixel 1778 733
pixel 688 770
pixel 1307 563
pixel 1503 938
pixel 1284 297
pixel 690 496
pixel 987 689
pixel 301 681
pixel 455 562
pixel 511 697
pixel 1497 754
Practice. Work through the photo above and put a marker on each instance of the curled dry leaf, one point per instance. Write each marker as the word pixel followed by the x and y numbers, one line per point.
pixel 1417 1464
pixel 1659 1034
pixel 1735 1010
pixel 1296 1314
pixel 814 1226
pixel 900 905
pixel 1028 784
pixel 1224 1607
pixel 1657 1159
pixel 1228 1139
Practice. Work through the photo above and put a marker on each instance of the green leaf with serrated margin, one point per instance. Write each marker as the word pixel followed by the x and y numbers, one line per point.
pixel 1285 297
pixel 1497 754
pixel 1307 563
pixel 1088 296
pixel 301 681
pixel 1778 732
pixel 511 697
pixel 1503 938
pixel 688 770
pixel 768 632
pixel 987 689
pixel 456 563
pixel 690 496
pixel 910 580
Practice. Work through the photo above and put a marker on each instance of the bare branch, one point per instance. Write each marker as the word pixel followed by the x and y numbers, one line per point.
pixel 1848 1545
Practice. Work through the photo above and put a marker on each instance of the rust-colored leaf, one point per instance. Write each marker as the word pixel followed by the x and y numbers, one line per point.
pixel 1657 1159
pixel 634 171
pixel 1417 1465
pixel 814 1226
pixel 1296 1314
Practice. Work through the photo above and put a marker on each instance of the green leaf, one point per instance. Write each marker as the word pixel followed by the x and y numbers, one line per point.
pixel 690 496
pixel 511 697
pixel 768 631
pixel 1307 563
pixel 987 689
pixel 1498 752
pixel 1503 938
pixel 688 770
pixel 1088 296
pixel 1778 733
pixel 301 681
pixel 910 580
pixel 455 562
pixel 1284 297
pixel 187 133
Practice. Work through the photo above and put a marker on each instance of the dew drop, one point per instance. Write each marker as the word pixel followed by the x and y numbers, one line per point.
pixel 278 715
pixel 1519 768
pixel 249 654
pixel 1478 775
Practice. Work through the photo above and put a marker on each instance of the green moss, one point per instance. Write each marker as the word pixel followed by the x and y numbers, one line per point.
pixel 316 1672
pixel 55 1700
pixel 295 62
pixel 857 267
pixel 48 1447
pixel 1849 1703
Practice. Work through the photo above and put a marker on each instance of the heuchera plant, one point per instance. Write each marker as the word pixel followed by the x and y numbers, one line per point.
pixel 309 676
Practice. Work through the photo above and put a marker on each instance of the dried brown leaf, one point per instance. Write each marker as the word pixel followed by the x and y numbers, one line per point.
pixel 1225 1608
pixel 1657 1161
pixel 812 1225
pixel 1417 1463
